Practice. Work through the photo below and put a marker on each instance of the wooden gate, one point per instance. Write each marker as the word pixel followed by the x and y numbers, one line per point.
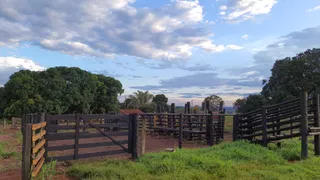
pixel 72 137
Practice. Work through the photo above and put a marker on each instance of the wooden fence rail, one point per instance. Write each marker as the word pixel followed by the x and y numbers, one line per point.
pixel 295 118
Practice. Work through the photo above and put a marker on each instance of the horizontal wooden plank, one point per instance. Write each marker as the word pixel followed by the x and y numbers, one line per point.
pixel 108 125
pixel 36 148
pixel 38 136
pixel 88 145
pixel 60 127
pixel 37 168
pixel 104 116
pixel 59 158
pixel 283 103
pixel 64 136
pixel 38 157
pixel 63 117
pixel 105 153
pixel 38 125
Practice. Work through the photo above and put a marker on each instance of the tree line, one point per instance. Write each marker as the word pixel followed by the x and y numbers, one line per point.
pixel 289 77
pixel 59 90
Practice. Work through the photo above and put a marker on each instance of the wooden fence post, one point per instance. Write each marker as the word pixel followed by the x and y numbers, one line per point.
pixel 143 136
pixel 235 127
pixel 130 129
pixel 26 151
pixel 180 131
pixel 47 119
pixel 209 129
pixel 304 125
pixel 264 127
pixel 76 139
pixel 135 127
pixel 317 124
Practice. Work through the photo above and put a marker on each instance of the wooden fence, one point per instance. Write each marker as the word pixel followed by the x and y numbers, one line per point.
pixel 70 137
pixel 295 118
pixel 199 127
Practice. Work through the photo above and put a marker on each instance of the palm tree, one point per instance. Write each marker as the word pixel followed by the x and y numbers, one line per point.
pixel 139 99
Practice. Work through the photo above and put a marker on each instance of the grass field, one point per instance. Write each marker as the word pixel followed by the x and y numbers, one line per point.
pixel 238 160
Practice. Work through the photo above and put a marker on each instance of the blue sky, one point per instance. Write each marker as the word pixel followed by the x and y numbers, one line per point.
pixel 186 49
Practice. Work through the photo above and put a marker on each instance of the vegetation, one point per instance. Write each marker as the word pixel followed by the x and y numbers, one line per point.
pixel 289 77
pixel 238 160
pixel 48 170
pixel 214 102
pixel 250 103
pixel 4 153
pixel 59 90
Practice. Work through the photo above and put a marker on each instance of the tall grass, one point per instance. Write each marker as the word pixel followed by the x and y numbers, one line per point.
pixel 4 152
pixel 238 160
pixel 48 170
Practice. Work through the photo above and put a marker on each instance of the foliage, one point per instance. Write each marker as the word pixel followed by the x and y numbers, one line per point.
pixel 60 90
pixel 148 108
pixel 292 75
pixel 139 99
pixel 215 102
pixel 47 171
pixel 238 160
pixel 161 102
pixel 250 103
pixel 196 109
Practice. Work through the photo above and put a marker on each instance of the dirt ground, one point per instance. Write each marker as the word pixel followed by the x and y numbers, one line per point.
pixel 10 167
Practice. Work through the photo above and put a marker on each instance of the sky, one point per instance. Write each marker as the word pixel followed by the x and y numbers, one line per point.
pixel 185 49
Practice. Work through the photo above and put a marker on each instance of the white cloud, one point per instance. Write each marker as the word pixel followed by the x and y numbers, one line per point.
pixel 223 8
pixel 222 13
pixel 10 65
pixel 241 10
pixel 246 36
pixel 314 9
pixel 107 28
pixel 235 47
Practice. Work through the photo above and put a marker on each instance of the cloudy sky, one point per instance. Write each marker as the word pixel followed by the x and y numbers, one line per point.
pixel 186 49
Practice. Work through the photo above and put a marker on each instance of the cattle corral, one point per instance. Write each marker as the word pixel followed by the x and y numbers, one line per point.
pixel 78 136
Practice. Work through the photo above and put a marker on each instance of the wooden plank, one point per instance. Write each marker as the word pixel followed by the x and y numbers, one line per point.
pixel 317 125
pixel 88 145
pixel 26 151
pixel 38 157
pixel 104 116
pixel 304 125
pixel 71 117
pixel 134 136
pixel 37 168
pixel 264 127
pixel 143 136
pixel 65 136
pixel 38 136
pixel 61 127
pixel 283 103
pixel 38 146
pixel 38 125
pixel 180 131
pixel 108 125
pixel 76 138
pixel 60 158
pixel 104 153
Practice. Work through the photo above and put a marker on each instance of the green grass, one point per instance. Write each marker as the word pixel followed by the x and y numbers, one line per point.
pixel 228 124
pixel 238 160
pixel 48 170
pixel 19 137
pixel 4 152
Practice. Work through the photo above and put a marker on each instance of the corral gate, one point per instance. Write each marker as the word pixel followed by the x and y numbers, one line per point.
pixel 90 135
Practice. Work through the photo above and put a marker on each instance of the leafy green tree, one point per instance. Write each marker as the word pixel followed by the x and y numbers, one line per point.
pixel 290 76
pixel 214 102
pixel 250 103
pixel 139 99
pixel 161 101
pixel 60 90
pixel 148 108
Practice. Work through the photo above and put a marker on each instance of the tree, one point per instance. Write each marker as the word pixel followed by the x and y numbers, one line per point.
pixel 290 76
pixel 214 102
pixel 148 108
pixel 252 102
pixel 139 99
pixel 60 90
pixel 161 101
pixel 196 109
